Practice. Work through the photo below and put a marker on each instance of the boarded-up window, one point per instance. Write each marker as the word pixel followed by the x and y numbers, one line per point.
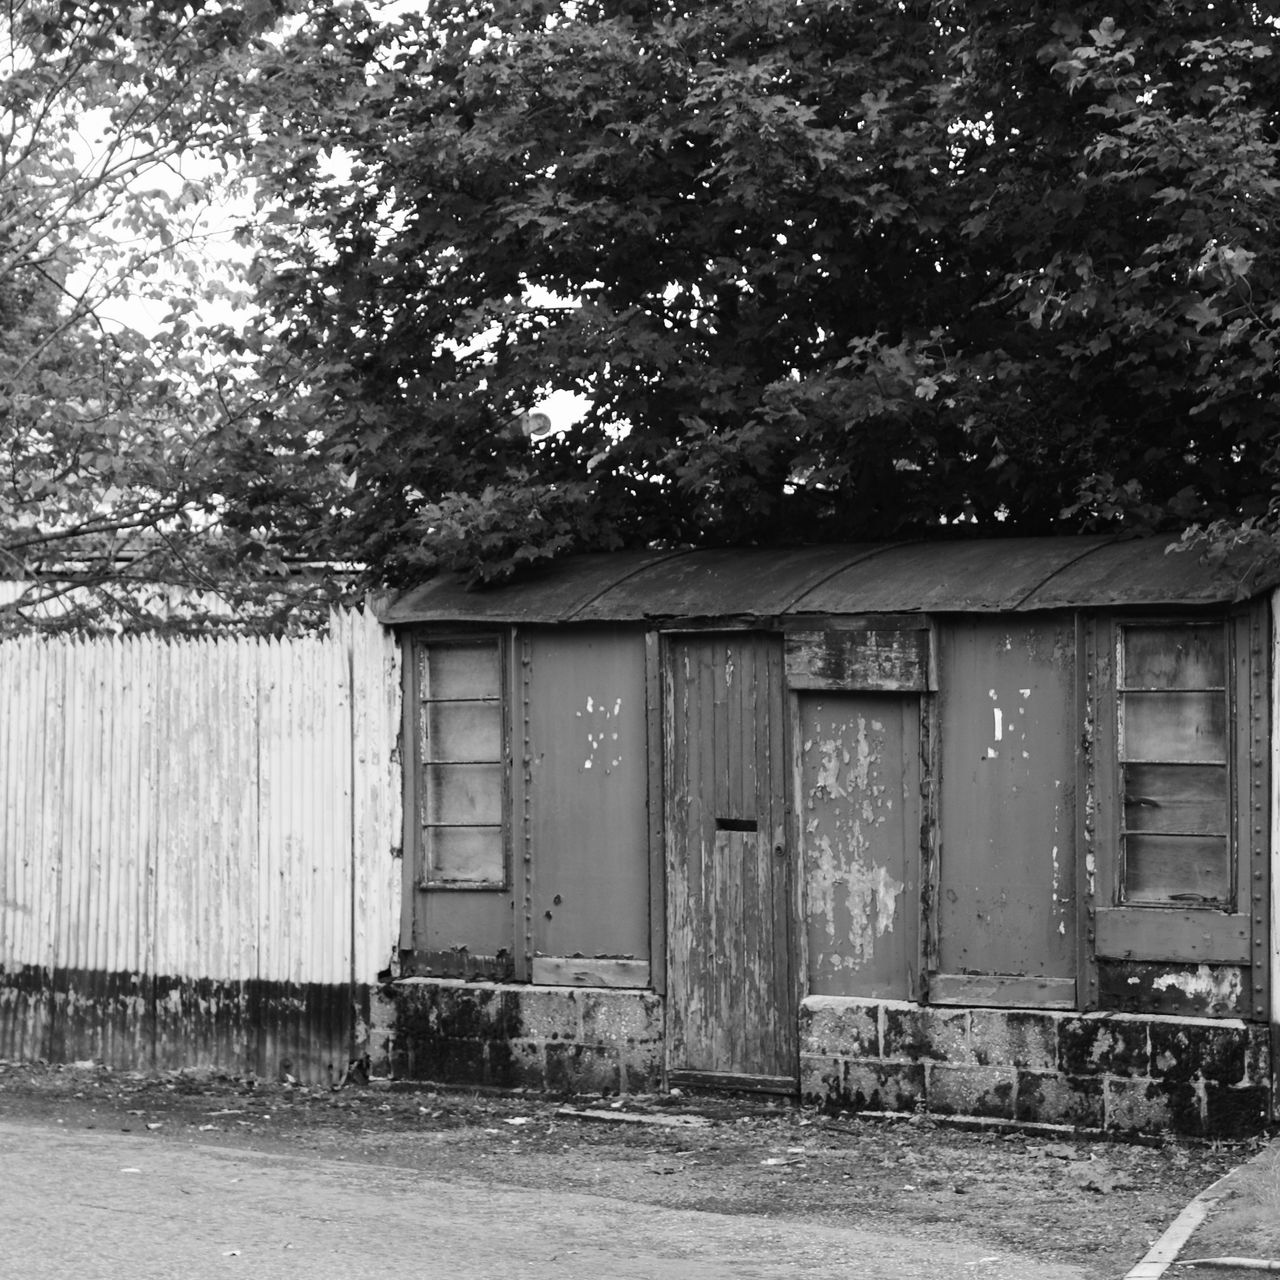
pixel 1175 766
pixel 463 780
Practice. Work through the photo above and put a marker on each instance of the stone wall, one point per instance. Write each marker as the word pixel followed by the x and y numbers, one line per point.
pixel 1118 1072
pixel 559 1039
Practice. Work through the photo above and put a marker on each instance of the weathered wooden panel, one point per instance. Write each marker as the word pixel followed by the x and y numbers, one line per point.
pixel 731 999
pixel 1184 727
pixel 1174 657
pixel 1161 868
pixel 1176 798
pixel 589 971
pixel 1001 991
pixel 1201 937
pixel 585 749
pixel 176 826
pixel 859 803
pixel 883 661
pixel 732 1081
pixel 1005 897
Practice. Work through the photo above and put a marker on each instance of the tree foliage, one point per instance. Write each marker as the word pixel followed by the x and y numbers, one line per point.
pixel 815 270
pixel 119 441
pixel 819 270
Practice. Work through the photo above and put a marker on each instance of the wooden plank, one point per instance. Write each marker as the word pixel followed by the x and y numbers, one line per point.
pixel 679 912
pixel 589 971
pixel 1003 991
pixel 1182 799
pixel 872 661
pixel 777 861
pixel 800 957
pixel 1144 933
pixel 930 843
pixel 1188 727
pixel 732 1082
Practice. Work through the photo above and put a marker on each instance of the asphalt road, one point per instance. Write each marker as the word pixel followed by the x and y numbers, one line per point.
pixel 103 1206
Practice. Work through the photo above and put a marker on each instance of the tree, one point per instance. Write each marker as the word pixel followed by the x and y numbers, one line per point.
pixel 119 444
pixel 820 270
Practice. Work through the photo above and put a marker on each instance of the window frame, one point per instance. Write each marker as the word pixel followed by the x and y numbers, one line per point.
pixel 424 644
pixel 1122 890
pixel 1176 933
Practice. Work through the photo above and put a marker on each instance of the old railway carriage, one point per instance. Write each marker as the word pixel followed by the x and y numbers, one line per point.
pixel 979 828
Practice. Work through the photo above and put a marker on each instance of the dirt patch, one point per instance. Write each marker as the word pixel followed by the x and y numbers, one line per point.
pixel 1097 1205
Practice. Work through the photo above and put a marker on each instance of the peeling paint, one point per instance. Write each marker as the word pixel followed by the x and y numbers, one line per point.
pixel 1221 984
pixel 603 715
pixel 852 893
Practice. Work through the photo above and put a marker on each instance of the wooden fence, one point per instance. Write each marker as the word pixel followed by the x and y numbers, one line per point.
pixel 199 845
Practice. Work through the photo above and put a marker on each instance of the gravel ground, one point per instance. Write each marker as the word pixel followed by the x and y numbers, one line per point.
pixel 1052 1196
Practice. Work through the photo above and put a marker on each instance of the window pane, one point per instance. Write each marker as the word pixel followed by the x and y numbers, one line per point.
pixel 1174 658
pixel 470 855
pixel 1186 799
pixel 464 731
pixel 1165 869
pixel 463 793
pixel 1175 727
pixel 462 671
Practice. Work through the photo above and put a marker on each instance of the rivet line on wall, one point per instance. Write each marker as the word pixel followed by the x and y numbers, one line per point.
pixel 1090 784
pixel 1257 713
pixel 526 826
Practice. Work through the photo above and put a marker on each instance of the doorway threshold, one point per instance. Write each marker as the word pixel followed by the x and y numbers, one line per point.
pixel 733 1082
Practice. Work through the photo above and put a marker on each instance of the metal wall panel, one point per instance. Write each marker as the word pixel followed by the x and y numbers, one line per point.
pixel 586 754
pixel 199 846
pixel 1006 891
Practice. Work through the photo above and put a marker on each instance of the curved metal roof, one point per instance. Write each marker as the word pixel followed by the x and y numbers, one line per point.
pixel 979 576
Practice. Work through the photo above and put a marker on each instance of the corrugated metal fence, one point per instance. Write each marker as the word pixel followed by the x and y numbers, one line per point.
pixel 198 843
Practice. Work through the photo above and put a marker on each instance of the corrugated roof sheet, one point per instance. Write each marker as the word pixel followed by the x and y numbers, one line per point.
pixel 980 576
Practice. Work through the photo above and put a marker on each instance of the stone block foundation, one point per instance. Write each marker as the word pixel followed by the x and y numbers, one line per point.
pixel 1126 1073
pixel 509 1035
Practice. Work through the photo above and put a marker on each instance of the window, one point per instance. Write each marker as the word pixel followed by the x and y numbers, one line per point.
pixel 462 788
pixel 1176 846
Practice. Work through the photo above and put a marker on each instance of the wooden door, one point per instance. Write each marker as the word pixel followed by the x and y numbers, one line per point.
pixel 731 1012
